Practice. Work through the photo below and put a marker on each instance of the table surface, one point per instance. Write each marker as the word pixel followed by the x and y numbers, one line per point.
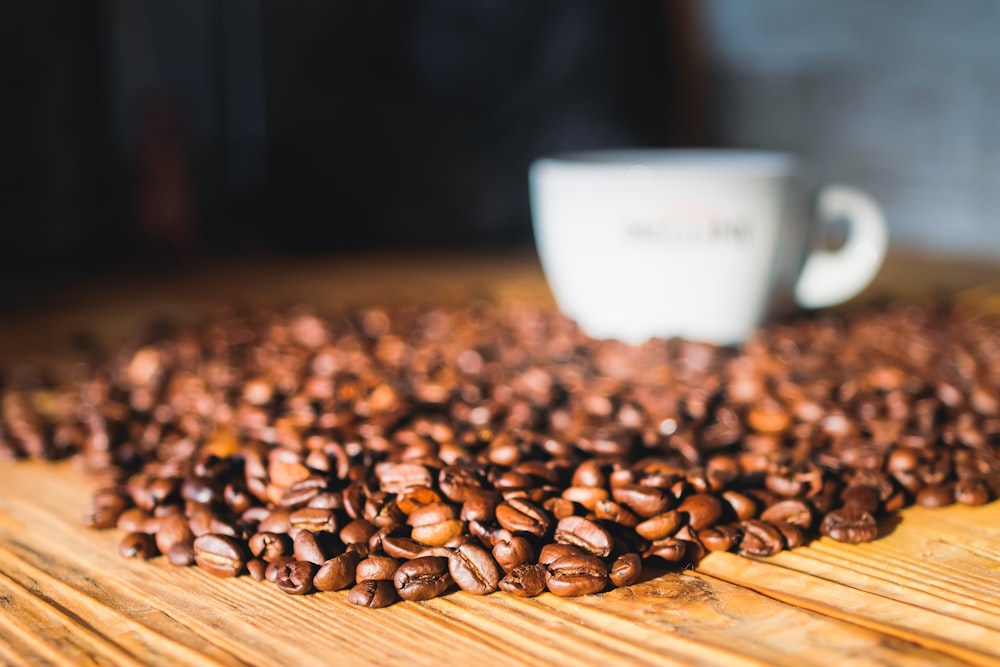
pixel 926 592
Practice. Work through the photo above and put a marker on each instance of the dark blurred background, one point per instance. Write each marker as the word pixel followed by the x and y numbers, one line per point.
pixel 138 134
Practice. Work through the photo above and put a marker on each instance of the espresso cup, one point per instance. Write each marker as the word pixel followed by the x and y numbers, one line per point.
pixel 698 244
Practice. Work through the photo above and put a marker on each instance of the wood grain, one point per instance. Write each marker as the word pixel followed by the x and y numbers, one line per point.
pixel 927 593
pixel 69 599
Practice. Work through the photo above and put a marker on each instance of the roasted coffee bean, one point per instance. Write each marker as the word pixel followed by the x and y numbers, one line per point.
pixel 357 531
pixel 134 519
pixel 480 506
pixel 473 569
pixel 670 549
pixel 422 578
pixel 337 573
pixel 376 567
pixel 373 594
pixel 724 537
pixel 626 570
pixel 402 547
pixel 172 529
pixel 571 576
pixel 849 525
pixel 434 524
pixel 553 551
pixel 743 506
pixel 646 501
pixel 269 546
pixel 275 567
pixel 181 554
pixel 312 519
pixel 936 495
pixel 861 497
pixel 137 545
pixel 610 511
pixel 513 552
pixel 104 510
pixel 308 547
pixel 296 578
pixel 222 555
pixel 760 538
pixel 520 515
pixel 257 569
pixel 972 491
pixel 661 525
pixel 792 534
pixel 795 512
pixel 585 534
pixel 414 497
pixel 525 581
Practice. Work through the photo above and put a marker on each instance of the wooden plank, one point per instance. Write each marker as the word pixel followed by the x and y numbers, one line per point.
pixel 153 612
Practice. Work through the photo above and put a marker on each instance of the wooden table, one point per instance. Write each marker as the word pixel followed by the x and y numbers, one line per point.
pixel 928 592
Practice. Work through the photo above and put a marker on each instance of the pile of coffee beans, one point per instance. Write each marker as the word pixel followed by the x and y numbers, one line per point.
pixel 406 453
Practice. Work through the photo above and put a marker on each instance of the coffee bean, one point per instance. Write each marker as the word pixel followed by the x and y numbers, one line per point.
pixel 972 491
pixel 308 547
pixel 257 569
pixel 936 495
pixel 661 525
pixel 585 534
pixel 373 594
pixel 670 549
pixel 137 545
pixel 376 567
pixel 434 524
pixel 525 581
pixel 724 537
pixel 296 578
pixel 646 501
pixel 512 553
pixel 269 546
pixel 337 573
pixel 422 578
pixel 221 555
pixel 520 515
pixel 760 538
pixel 702 509
pixel 575 575
pixel 172 529
pixel 474 569
pixel 626 570
pixel 181 554
pixel 795 512
pixel 849 525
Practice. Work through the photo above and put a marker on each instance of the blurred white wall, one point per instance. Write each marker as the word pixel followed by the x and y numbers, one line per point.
pixel 901 98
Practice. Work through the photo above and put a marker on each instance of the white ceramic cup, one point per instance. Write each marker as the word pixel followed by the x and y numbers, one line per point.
pixel 697 244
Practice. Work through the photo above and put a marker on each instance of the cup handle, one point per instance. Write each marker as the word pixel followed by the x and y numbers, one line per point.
pixel 832 276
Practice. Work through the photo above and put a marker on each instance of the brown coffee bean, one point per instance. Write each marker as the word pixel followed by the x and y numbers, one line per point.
pixel 861 497
pixel 422 578
pixel 723 537
pixel 269 546
pixel 585 534
pixel 312 519
pixel 434 524
pixel 373 594
pixel 646 501
pixel 553 551
pixel 512 553
pixel 702 509
pixel 337 573
pixel 221 555
pixel 795 512
pixel 181 554
pixel 416 496
pixel 104 510
pixel 171 530
pixel 275 567
pixel 743 506
pixel 572 575
pixel 375 568
pixel 137 545
pixel 257 569
pixel 936 495
pixel 525 581
pixel 133 520
pixel 307 547
pixel 760 538
pixel 849 525
pixel 296 578
pixel 402 547
pixel 520 515
pixel 626 570
pixel 661 525
pixel 670 549
pixel 474 569
pixel 972 491
pixel 357 531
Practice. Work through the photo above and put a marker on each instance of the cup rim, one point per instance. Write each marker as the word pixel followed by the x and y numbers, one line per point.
pixel 714 159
